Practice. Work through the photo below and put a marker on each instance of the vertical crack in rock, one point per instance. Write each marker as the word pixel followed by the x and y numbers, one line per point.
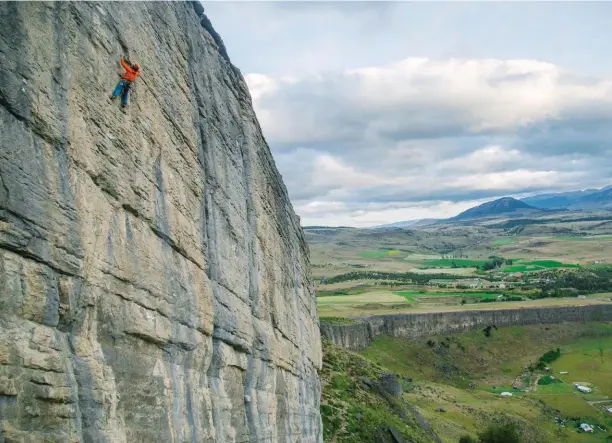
pixel 154 280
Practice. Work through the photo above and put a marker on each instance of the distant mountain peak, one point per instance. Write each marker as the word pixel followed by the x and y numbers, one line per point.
pixel 582 199
pixel 500 206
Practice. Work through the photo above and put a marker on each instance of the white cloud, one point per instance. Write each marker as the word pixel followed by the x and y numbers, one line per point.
pixel 339 214
pixel 419 95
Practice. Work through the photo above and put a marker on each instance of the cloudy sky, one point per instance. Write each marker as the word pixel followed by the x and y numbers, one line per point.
pixel 378 112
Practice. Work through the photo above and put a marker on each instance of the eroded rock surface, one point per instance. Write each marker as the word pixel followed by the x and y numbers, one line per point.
pixel 154 279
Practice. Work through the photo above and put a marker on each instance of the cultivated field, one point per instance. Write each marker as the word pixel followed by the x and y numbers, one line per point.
pixel 399 305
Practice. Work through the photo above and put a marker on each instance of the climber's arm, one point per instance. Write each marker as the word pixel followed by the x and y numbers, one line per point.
pixel 125 65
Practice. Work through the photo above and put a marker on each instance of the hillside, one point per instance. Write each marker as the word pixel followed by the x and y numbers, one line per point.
pixel 584 199
pixel 557 200
pixel 451 385
pixel 500 206
pixel 601 198
pixel 408 224
pixel 154 279
pixel 363 403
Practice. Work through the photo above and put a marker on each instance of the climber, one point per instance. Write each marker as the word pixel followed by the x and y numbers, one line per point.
pixel 131 72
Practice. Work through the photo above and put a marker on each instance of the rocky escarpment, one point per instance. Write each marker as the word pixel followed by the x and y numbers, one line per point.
pixel 154 279
pixel 359 335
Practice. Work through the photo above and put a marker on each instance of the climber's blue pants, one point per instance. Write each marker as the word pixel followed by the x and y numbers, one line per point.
pixel 124 86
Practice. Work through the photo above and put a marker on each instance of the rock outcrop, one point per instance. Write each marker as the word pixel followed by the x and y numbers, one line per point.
pixel 359 335
pixel 154 279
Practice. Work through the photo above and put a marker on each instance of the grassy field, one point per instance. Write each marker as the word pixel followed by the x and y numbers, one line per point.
pixel 382 297
pixel 442 376
pixel 379 254
pixel 503 242
pixel 368 306
pixel 421 294
pixel 582 238
pixel 589 362
pixel 538 265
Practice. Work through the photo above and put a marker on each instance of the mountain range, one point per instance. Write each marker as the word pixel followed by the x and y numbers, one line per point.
pixel 587 199
pixel 584 199
pixel 500 206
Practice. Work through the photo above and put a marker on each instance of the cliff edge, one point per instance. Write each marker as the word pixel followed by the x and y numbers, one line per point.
pixel 154 279
pixel 359 333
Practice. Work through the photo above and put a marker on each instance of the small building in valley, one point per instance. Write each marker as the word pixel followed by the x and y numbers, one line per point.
pixel 586 428
pixel 584 389
pixel 506 394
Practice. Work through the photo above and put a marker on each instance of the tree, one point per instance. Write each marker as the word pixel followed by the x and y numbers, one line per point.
pixel 506 433
pixel 467 439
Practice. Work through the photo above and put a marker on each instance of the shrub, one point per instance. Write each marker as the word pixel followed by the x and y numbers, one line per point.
pixel 548 380
pixel 513 298
pixel 551 356
pixel 467 439
pixel 506 433
pixel 340 382
pixel 337 320
pixel 488 300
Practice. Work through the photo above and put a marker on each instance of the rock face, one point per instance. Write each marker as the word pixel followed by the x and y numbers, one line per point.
pixel 359 335
pixel 154 279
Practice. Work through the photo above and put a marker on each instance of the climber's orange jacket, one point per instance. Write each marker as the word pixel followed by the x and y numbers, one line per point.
pixel 131 72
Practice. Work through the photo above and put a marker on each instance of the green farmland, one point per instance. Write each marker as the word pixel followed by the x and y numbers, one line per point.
pixel 538 265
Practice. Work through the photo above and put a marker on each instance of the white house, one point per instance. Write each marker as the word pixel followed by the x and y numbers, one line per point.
pixel 586 428
pixel 563 372
pixel 506 394
pixel 609 410
pixel 583 389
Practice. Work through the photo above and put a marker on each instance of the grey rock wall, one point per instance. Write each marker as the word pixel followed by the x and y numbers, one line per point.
pixel 154 279
pixel 359 335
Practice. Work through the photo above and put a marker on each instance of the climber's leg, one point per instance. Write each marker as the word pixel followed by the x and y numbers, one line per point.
pixel 118 88
pixel 126 91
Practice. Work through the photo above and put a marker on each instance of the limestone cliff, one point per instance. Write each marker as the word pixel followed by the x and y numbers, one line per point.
pixel 359 334
pixel 154 279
